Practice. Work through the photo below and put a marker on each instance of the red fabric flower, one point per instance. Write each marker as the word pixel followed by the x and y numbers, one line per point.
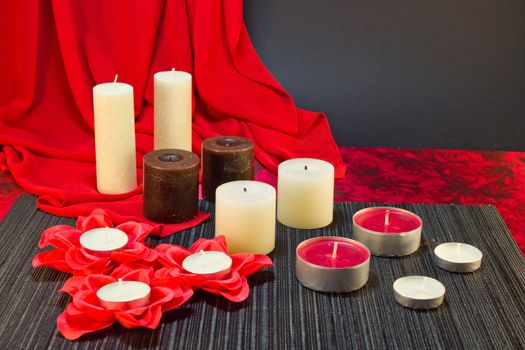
pixel 85 314
pixel 234 287
pixel 69 256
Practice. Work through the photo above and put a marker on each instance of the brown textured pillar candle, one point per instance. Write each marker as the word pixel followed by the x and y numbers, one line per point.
pixel 225 159
pixel 171 185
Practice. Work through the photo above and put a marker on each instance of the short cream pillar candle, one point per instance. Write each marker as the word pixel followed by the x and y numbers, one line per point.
pixel 114 137
pixel 172 110
pixel 305 193
pixel 245 215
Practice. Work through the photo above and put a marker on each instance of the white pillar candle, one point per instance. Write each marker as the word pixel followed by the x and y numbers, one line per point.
pixel 305 193
pixel 124 295
pixel 419 292
pixel 172 112
pixel 245 215
pixel 103 240
pixel 114 137
pixel 210 264
pixel 458 257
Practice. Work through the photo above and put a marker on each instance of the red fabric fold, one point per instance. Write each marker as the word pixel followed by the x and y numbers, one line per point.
pixel 55 52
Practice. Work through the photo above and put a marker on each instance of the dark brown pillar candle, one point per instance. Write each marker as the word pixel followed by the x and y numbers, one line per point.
pixel 171 185
pixel 225 159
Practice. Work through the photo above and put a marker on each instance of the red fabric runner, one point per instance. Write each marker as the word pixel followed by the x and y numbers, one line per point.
pixel 54 52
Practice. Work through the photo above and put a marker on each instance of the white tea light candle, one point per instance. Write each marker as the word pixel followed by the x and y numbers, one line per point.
pixel 419 292
pixel 172 112
pixel 114 137
pixel 210 264
pixel 124 295
pixel 305 193
pixel 458 257
pixel 245 215
pixel 103 240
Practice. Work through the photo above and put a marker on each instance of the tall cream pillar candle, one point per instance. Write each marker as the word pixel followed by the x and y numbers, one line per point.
pixel 305 189
pixel 172 110
pixel 115 137
pixel 245 215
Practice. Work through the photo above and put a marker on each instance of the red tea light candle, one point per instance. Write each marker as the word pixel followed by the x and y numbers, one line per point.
pixel 388 231
pixel 332 264
pixel 209 264
pixel 103 240
pixel 124 295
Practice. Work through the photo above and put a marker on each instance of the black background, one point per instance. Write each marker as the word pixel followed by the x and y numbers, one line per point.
pixel 418 73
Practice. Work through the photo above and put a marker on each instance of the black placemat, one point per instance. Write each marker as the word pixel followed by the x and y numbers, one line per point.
pixel 484 309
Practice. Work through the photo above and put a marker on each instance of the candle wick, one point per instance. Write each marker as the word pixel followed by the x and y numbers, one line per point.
pixel 334 251
pixel 120 282
pixel 387 218
pixel 244 189
pixel 306 167
pixel 116 77
pixel 422 286
pixel 204 257
pixel 173 69
pixel 458 249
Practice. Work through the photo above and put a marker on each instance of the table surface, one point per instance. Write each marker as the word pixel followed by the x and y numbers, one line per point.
pixel 484 309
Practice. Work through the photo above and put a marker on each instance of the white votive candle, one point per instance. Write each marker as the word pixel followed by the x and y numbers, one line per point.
pixel 124 295
pixel 458 257
pixel 172 112
pixel 305 193
pixel 210 264
pixel 419 292
pixel 245 215
pixel 114 138
pixel 103 240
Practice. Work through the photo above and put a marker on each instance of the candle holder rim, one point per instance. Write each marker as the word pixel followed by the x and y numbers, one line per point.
pixel 406 233
pixel 90 250
pixel 402 210
pixel 122 301
pixel 169 73
pixel 286 163
pixel 244 144
pixel 441 294
pixel 353 241
pixel 458 262
pixel 211 272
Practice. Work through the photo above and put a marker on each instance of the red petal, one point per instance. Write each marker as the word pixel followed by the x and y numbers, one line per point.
pixel 54 259
pixel 170 255
pixel 137 232
pixel 233 294
pixel 216 244
pixel 136 252
pixel 257 262
pixel 74 326
pixel 150 318
pixel 60 236
pixel 73 285
pixel 98 218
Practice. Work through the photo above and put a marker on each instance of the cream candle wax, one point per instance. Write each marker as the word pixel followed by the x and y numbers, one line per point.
pixel 114 137
pixel 172 110
pixel 245 215
pixel 305 193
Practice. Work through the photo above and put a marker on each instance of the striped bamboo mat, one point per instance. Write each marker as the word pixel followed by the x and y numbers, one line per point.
pixel 484 309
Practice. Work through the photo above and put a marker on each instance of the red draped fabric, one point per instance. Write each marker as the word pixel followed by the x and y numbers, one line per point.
pixel 54 52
